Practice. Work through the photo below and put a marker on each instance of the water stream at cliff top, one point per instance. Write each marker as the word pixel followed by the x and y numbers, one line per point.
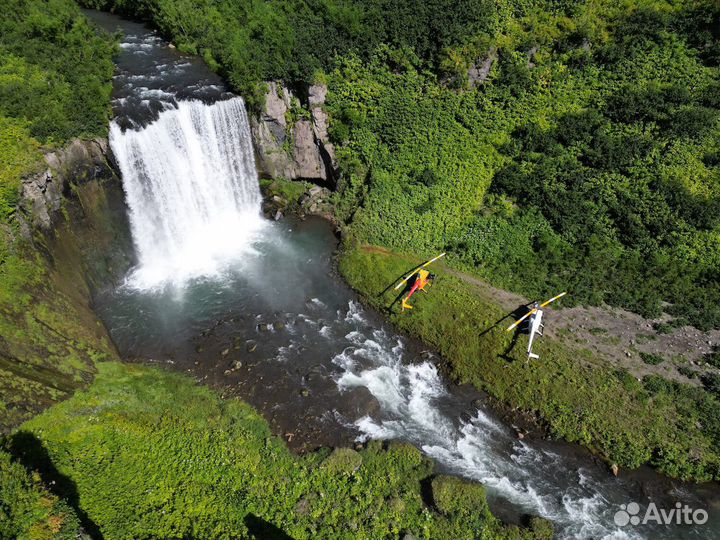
pixel 254 308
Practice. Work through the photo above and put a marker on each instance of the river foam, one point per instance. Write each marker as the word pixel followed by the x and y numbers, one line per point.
pixel 192 191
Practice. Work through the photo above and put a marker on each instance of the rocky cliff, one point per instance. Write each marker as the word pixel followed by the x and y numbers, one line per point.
pixel 291 137
pixel 71 238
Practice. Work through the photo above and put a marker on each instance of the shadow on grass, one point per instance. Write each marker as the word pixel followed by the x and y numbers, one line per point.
pixel 514 315
pixel 261 529
pixel 27 449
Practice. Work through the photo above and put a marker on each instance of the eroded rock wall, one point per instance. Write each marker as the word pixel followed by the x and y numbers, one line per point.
pixel 72 238
pixel 289 142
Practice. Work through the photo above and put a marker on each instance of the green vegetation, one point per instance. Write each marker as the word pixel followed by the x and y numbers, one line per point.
pixel 713 358
pixel 28 510
pixel 55 70
pixel 250 41
pixel 673 427
pixel 55 74
pixel 651 359
pixel 288 190
pixel 148 454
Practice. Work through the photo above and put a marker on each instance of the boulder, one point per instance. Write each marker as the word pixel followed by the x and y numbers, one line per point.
pixel 479 72
pixel 317 94
pixel 308 161
pixel 301 150
pixel 357 403
pixel 81 161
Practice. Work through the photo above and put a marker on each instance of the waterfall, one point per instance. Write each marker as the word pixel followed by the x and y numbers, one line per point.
pixel 191 189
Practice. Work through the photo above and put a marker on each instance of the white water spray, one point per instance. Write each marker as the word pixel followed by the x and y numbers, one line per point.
pixel 192 191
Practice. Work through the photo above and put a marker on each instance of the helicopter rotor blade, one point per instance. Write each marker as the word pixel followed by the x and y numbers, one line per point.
pixel 521 319
pixel 411 274
pixel 553 299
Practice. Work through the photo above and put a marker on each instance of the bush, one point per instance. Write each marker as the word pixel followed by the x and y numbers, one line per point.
pixel 651 359
pixel 28 509
pixel 55 70
pixel 713 358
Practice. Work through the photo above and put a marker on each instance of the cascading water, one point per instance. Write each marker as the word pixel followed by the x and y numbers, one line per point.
pixel 191 188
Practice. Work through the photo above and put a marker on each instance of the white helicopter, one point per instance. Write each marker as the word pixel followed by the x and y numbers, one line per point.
pixel 535 324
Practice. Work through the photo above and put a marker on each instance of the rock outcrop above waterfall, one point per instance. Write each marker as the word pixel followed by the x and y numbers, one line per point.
pixel 291 140
pixel 42 193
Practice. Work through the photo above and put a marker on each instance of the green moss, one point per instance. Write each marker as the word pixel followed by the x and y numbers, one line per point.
pixel 290 190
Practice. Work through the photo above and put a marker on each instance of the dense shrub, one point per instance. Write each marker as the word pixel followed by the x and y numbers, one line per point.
pixel 149 454
pixel 28 509
pixel 55 69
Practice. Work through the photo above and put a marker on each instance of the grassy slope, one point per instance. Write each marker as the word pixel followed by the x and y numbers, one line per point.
pixel 146 453
pixel 673 427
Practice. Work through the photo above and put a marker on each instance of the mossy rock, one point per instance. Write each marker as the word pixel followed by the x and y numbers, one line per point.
pixel 453 496
pixel 541 528
pixel 410 458
pixel 342 460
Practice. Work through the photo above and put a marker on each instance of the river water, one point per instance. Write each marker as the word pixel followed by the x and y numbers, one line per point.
pixel 254 308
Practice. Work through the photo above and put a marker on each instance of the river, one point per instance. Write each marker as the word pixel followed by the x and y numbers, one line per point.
pixel 255 309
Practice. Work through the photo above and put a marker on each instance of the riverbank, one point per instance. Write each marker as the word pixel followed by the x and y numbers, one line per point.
pixel 630 422
pixel 593 384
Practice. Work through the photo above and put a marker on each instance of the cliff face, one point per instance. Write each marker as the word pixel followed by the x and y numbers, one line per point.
pixel 291 140
pixel 72 239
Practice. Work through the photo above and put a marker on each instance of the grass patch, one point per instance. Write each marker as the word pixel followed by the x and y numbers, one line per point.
pixel 578 400
pixel 651 359
pixel 152 455
pixel 289 190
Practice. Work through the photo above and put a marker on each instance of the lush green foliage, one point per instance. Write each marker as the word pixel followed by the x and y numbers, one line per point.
pixel 673 427
pixel 28 511
pixel 587 161
pixel 148 454
pixel 255 40
pixel 19 156
pixel 55 74
pixel 55 69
